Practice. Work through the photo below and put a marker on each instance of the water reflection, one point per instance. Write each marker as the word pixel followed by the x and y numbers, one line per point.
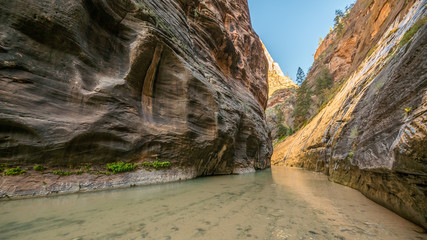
pixel 279 204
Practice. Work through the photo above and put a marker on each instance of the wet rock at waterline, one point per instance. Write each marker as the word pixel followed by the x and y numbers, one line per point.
pixel 372 134
pixel 100 81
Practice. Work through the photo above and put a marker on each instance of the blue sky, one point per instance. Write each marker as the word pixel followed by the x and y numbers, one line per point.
pixel 290 29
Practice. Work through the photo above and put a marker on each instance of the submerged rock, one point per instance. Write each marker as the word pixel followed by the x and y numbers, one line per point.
pixel 100 81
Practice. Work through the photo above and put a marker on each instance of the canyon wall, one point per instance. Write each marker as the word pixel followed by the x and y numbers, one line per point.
pixel 97 81
pixel 372 134
pixel 281 101
pixel 276 78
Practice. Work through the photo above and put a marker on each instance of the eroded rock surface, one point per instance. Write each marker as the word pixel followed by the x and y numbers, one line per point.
pixel 343 51
pixel 280 111
pixel 281 101
pixel 372 135
pixel 276 78
pixel 99 81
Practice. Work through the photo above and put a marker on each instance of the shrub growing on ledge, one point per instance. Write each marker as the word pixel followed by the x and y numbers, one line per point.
pixel 302 104
pixel 121 167
pixel 62 173
pixel 156 164
pixel 411 32
pixel 2 167
pixel 38 168
pixel 14 171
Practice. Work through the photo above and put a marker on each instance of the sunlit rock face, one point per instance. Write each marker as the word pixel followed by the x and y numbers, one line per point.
pixel 276 78
pixel 344 51
pixel 372 135
pixel 281 101
pixel 99 81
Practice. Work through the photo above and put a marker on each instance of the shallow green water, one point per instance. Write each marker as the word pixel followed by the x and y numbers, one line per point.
pixel 281 203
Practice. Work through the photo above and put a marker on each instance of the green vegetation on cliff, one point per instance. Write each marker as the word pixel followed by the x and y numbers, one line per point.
pixel 38 168
pixel 156 164
pixel 302 105
pixel 414 29
pixel 324 83
pixel 14 171
pixel 121 167
pixel 303 100
pixel 67 173
pixel 2 167
pixel 282 130
pixel 323 92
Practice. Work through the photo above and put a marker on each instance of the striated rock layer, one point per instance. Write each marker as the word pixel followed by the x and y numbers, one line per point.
pixel 372 135
pixel 97 81
pixel 281 101
pixel 343 51
pixel 280 111
pixel 276 78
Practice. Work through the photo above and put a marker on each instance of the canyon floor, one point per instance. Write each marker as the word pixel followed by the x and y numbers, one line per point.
pixel 277 203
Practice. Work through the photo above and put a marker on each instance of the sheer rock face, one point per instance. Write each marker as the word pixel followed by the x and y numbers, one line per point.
pixel 344 51
pixel 372 135
pixel 280 110
pixel 276 79
pixel 281 101
pixel 98 81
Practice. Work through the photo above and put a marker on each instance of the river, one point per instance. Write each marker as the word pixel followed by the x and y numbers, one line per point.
pixel 279 203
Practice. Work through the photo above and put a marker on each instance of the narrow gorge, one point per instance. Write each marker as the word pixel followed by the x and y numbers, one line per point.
pixel 108 94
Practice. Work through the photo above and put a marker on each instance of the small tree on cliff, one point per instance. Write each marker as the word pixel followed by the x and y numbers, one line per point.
pixel 323 81
pixel 323 86
pixel 338 20
pixel 300 76
pixel 302 105
pixel 282 130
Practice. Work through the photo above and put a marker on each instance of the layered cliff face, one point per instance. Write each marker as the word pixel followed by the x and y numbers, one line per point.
pixel 372 134
pixel 100 81
pixel 276 78
pixel 343 50
pixel 280 113
pixel 281 101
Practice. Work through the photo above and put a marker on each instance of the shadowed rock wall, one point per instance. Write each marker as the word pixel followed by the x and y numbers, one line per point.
pixel 96 81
